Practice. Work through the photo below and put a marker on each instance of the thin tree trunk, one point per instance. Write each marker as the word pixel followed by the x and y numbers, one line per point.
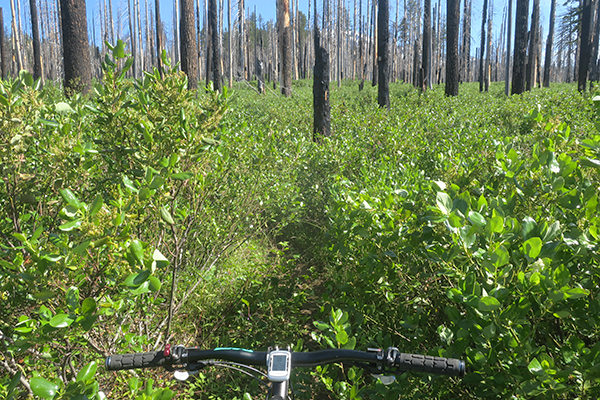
pixel 15 36
pixel 375 46
pixel 3 55
pixel 214 59
pixel 518 79
pixel 189 49
pixel 452 69
pixel 383 28
pixel 549 44
pixel 508 40
pixel 230 43
pixel 159 46
pixel 321 106
pixel 585 45
pixel 283 18
pixel 426 62
pixel 488 58
pixel 533 41
pixel 75 46
pixel 37 51
pixel 482 47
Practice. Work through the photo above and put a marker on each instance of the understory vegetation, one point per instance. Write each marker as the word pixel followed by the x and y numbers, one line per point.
pixel 461 227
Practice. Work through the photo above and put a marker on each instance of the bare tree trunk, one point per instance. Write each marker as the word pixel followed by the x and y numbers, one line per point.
pixel 519 71
pixel 508 40
pixel 131 19
pixel 159 45
pixel 584 45
pixel 426 62
pixel 321 106
pixel 453 16
pixel 383 27
pixel 482 47
pixel 112 23
pixel 15 34
pixel 594 71
pixel 189 49
pixel 488 59
pixel 37 51
pixel 533 40
pixel 283 19
pixel 3 55
pixel 213 62
pixel 375 46
pixel 76 50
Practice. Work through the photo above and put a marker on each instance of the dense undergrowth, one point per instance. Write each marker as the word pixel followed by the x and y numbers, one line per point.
pixel 463 227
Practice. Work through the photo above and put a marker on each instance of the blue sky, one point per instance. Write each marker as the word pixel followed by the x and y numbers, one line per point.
pixel 267 10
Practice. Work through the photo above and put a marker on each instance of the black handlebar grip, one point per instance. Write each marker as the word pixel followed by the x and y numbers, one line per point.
pixel 138 360
pixel 430 364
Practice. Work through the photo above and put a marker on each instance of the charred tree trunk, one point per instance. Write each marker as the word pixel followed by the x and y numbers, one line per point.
pixel 426 62
pixel 508 39
pixel 213 62
pixel 285 37
pixel 37 50
pixel 549 43
pixel 76 51
pixel 3 55
pixel 533 44
pixel 482 48
pixel 322 108
pixel 452 67
pixel 188 47
pixel 383 27
pixel 518 80
pixel 159 44
pixel 375 46
pixel 584 45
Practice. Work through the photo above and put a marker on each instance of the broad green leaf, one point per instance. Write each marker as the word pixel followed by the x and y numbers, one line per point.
pixel 562 314
pixel 488 303
pixel 154 284
pixel 496 224
pixel 62 107
pixel 137 249
pixel 129 184
pixel 137 279
pixel 182 176
pixel 81 247
pixel 87 372
pixel 528 227
pixel 69 226
pixel 26 77
pixel 500 257
pixel 96 205
pixel 144 194
pixel 61 321
pixel 72 298
pixel 165 215
pixel 535 367
pixel 157 182
pixel 477 219
pixel 532 247
pixel 88 306
pixel 43 388
pixel 44 295
pixel 160 261
pixel 321 325
pixel 69 198
pixel 119 50
pixel 341 337
pixel 444 203
pixel 576 293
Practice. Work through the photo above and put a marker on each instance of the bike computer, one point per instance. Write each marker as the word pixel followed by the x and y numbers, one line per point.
pixel 279 364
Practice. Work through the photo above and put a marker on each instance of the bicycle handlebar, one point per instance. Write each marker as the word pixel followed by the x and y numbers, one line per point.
pixel 182 357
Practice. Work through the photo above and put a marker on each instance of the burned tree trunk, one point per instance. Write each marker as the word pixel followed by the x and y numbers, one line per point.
pixel 213 61
pixel 452 79
pixel 321 106
pixel 188 47
pixel 584 45
pixel 285 38
pixel 37 50
pixel 76 53
pixel 518 79
pixel 383 62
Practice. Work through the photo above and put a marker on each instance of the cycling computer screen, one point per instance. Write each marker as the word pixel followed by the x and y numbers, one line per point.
pixel 279 365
